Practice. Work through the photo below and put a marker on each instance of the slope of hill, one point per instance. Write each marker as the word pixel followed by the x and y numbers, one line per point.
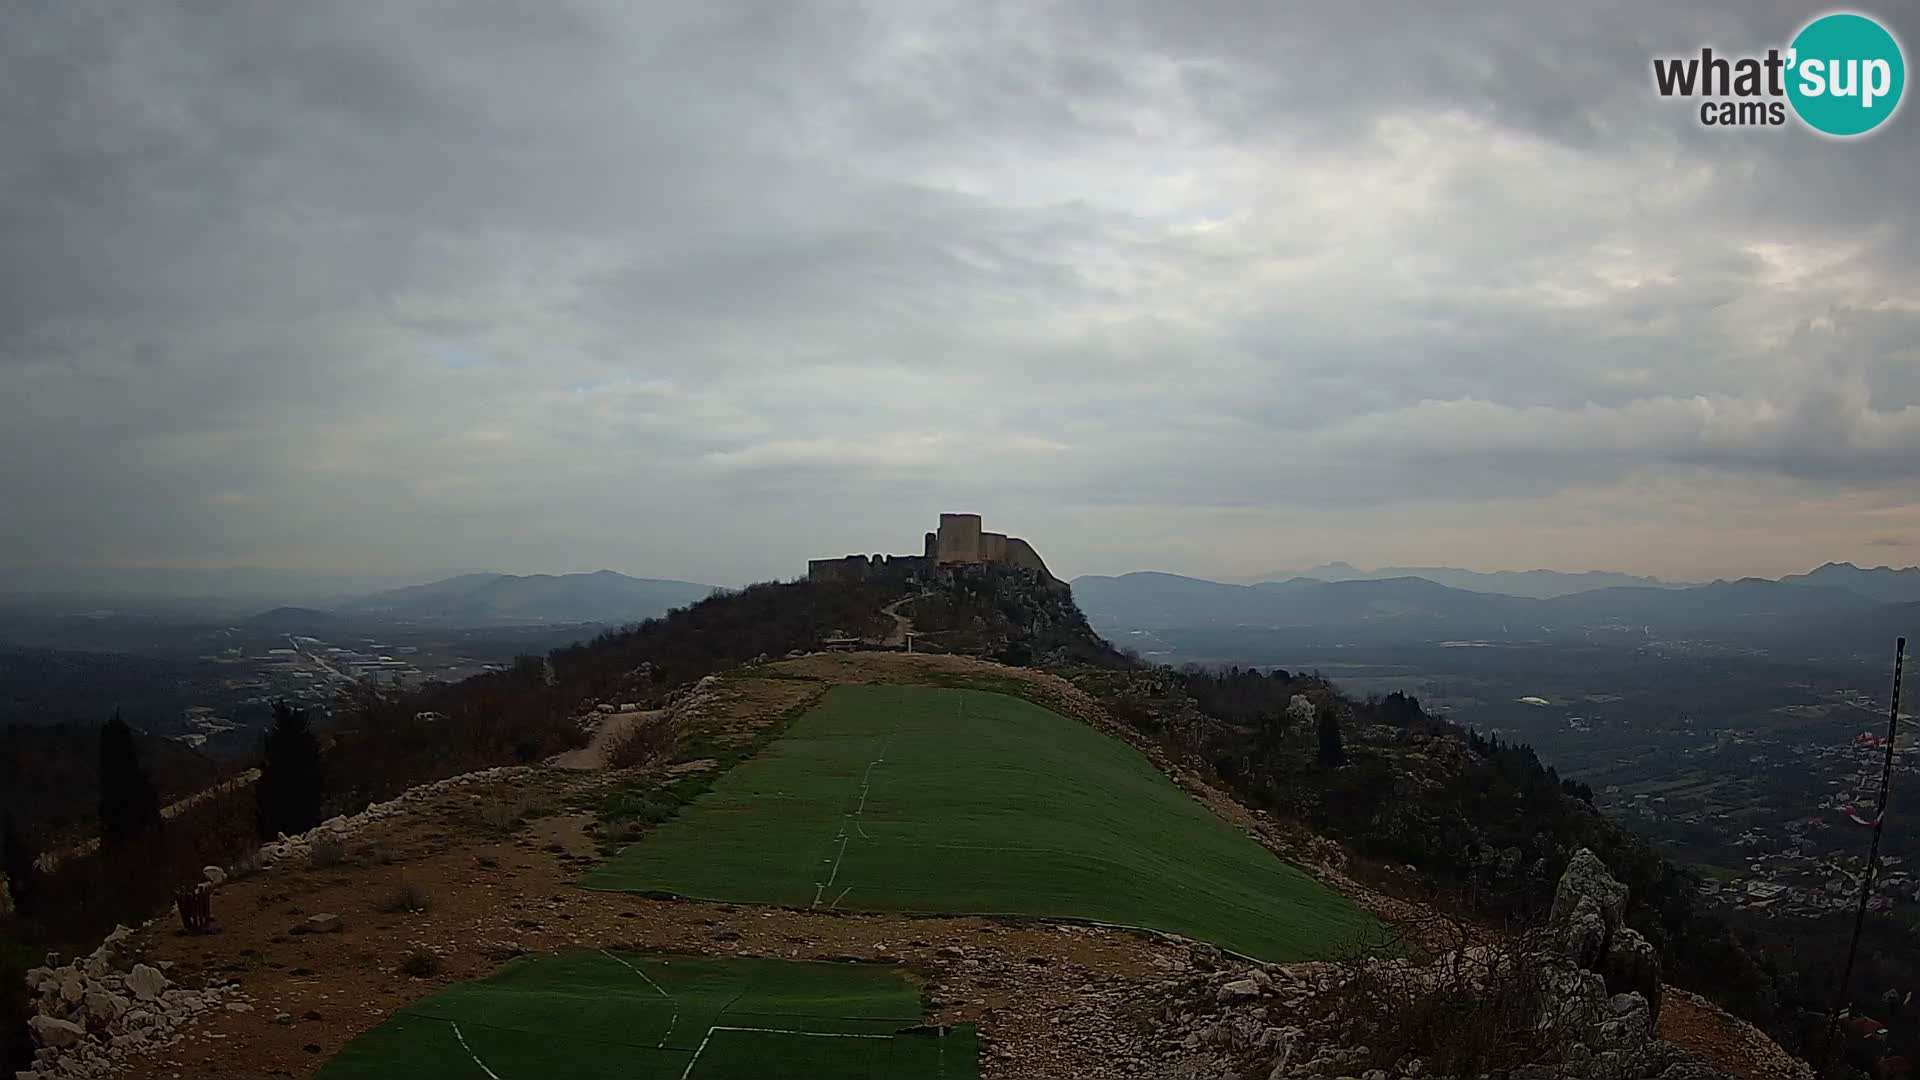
pixel 980 803
pixel 599 597
pixel 453 881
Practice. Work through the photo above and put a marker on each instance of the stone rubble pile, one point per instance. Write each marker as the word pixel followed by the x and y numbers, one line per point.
pixel 91 1014
pixel 341 828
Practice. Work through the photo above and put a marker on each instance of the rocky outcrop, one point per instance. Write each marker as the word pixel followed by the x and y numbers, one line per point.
pixel 1588 923
pixel 1580 1000
pixel 92 1014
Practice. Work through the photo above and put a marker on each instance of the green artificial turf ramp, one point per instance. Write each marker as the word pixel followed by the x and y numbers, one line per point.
pixel 639 1016
pixel 918 799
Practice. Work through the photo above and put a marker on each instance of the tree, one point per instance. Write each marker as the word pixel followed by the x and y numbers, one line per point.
pixel 1332 751
pixel 18 860
pixel 129 803
pixel 292 775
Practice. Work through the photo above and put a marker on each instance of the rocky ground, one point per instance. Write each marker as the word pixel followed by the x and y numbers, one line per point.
pixel 335 930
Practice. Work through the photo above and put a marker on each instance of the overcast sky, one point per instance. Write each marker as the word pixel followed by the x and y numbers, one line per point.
pixel 1219 288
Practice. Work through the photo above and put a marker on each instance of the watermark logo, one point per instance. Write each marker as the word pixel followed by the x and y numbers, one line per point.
pixel 1842 75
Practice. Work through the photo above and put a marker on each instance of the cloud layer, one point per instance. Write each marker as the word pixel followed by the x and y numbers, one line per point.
pixel 700 292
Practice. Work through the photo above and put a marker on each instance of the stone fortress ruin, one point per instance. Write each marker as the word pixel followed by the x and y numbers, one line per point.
pixel 959 543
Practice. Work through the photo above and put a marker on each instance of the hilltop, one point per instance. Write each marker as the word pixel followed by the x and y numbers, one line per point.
pixel 1415 822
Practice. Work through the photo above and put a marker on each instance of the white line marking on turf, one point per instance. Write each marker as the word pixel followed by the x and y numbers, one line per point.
pixel 469 1050
pixel 836 862
pixel 671 1020
pixel 837 899
pixel 866 783
pixel 688 1071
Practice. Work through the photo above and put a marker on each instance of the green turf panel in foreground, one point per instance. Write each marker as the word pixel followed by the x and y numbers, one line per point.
pixel 635 1016
pixel 979 803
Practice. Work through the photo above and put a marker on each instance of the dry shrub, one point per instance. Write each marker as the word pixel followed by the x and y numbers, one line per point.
pixel 421 964
pixel 643 744
pixel 501 815
pixel 1473 1010
pixel 404 897
pixel 326 854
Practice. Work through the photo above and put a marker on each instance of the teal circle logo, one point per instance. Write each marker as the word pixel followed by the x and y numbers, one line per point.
pixel 1846 74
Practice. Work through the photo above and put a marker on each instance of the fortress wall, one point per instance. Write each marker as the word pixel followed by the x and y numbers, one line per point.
pixel 1020 553
pixel 906 564
pixel 959 539
pixel 846 568
pixel 866 567
pixel 993 547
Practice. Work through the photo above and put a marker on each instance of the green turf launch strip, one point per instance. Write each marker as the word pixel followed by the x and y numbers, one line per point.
pixel 633 1016
pixel 919 799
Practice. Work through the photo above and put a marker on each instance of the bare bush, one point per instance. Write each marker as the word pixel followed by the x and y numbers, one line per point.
pixel 643 744
pixel 1479 1008
pixel 406 897
pixel 326 853
pixel 500 815
pixel 422 964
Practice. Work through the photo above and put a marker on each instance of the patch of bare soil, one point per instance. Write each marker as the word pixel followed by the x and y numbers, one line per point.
pixel 735 711
pixel 612 729
pixel 1726 1042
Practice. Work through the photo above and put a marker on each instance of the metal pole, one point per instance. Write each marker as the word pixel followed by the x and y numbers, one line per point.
pixel 1873 858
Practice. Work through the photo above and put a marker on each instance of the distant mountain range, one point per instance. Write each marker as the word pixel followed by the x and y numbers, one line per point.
pixel 1415 608
pixel 1539 584
pixel 1882 583
pixel 599 597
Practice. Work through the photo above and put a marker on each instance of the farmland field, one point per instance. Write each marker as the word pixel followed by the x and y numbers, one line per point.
pixel 917 799
pixel 640 1016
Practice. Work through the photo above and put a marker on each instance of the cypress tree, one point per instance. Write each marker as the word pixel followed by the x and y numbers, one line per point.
pixel 292 775
pixel 1332 751
pixel 129 803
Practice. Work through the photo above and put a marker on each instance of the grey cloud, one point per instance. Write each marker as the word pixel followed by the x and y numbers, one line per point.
pixel 678 288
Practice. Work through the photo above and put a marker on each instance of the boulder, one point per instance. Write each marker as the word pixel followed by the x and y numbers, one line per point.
pixel 1582 934
pixel 1237 990
pixel 324 924
pixel 145 983
pixel 55 1033
pixel 73 988
pixel 1587 877
pixel 215 876
pixel 105 1007
pixel 1631 965
pixel 1631 1022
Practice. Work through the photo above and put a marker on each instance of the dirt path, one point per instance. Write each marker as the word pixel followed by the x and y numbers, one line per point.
pixel 902 626
pixel 614 728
